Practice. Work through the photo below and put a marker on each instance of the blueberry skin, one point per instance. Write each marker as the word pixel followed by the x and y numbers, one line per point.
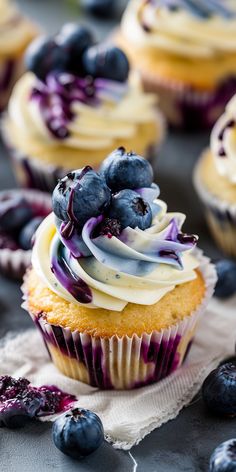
pixel 130 210
pixel 14 213
pixel 27 233
pixel 219 390
pixel 99 8
pixel 74 39
pixel 124 170
pixel 44 56
pixel 81 195
pixel 226 272
pixel 106 62
pixel 78 433
pixel 223 458
pixel 14 415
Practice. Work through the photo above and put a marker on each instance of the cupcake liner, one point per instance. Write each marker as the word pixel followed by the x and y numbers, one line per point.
pixel 13 264
pixel 189 108
pixel 220 215
pixel 123 362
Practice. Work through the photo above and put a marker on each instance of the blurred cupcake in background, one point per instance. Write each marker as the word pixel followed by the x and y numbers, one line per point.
pixel 186 53
pixel 74 105
pixel 16 32
pixel 215 180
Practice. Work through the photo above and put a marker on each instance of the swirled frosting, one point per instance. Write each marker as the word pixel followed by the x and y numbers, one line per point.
pixel 82 113
pixel 108 271
pixel 15 30
pixel 223 142
pixel 182 27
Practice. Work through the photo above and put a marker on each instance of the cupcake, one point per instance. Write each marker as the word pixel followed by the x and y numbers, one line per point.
pixel 16 32
pixel 186 53
pixel 76 103
pixel 21 212
pixel 116 288
pixel 215 180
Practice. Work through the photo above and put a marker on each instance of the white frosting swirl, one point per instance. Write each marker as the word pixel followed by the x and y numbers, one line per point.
pixel 223 142
pixel 135 267
pixel 120 108
pixel 15 30
pixel 153 24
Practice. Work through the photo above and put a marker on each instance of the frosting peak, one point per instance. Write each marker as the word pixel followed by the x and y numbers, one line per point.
pixel 223 142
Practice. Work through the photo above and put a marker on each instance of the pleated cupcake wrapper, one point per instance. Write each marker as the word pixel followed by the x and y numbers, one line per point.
pixel 123 362
pixel 220 215
pixel 13 264
pixel 189 108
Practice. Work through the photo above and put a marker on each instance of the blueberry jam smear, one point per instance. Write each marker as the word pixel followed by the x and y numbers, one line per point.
pixel 108 227
pixel 20 401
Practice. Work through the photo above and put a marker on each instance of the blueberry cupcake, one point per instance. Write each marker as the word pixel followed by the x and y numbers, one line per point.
pixel 215 180
pixel 186 53
pixel 76 103
pixel 21 212
pixel 116 288
pixel 16 32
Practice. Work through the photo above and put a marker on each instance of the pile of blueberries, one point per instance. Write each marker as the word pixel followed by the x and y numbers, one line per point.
pixel 73 50
pixel 84 194
pixel 18 223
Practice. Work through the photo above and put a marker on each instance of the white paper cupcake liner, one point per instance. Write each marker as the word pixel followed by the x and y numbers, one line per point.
pixel 189 108
pixel 13 264
pixel 220 215
pixel 123 362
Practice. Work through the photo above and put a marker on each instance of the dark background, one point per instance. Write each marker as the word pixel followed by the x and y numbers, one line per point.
pixel 182 445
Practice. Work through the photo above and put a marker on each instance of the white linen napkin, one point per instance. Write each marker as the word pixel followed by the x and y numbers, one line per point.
pixel 128 416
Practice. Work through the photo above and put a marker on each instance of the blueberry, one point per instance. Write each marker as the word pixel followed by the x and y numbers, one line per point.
pixel 223 458
pixel 74 39
pixel 219 390
pixel 13 414
pixel 27 233
pixel 78 433
pixel 106 62
pixel 14 213
pixel 100 8
pixel 81 195
pixel 44 56
pixel 124 170
pixel 226 285
pixel 130 210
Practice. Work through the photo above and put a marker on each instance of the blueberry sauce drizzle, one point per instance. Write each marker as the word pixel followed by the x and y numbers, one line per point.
pixel 68 279
pixel 55 97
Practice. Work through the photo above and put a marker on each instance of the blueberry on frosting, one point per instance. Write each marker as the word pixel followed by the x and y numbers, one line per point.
pixel 79 196
pixel 74 39
pixel 106 62
pixel 45 56
pixel 126 170
pixel 130 210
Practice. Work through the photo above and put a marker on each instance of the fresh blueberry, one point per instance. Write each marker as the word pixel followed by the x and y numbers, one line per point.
pixel 81 195
pixel 14 213
pixel 106 62
pixel 100 8
pixel 130 210
pixel 44 56
pixel 124 170
pixel 74 39
pixel 226 285
pixel 219 390
pixel 27 233
pixel 223 458
pixel 78 433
